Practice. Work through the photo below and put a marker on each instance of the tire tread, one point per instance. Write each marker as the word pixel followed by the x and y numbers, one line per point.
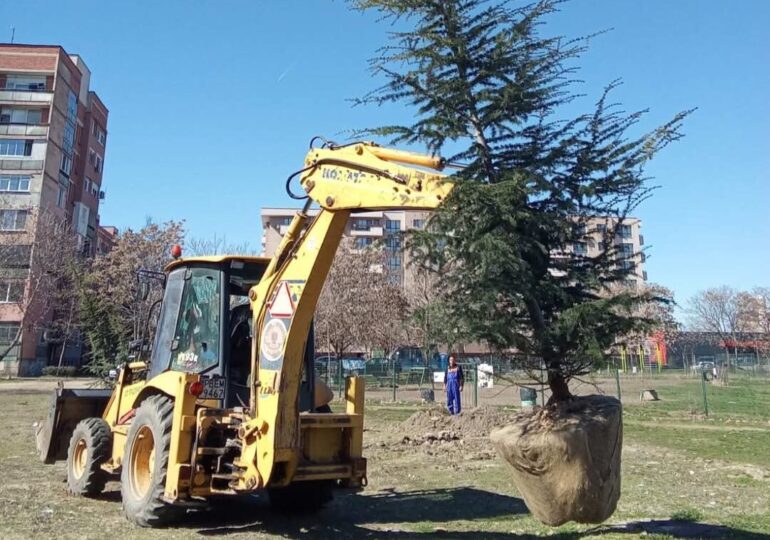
pixel 156 512
pixel 99 442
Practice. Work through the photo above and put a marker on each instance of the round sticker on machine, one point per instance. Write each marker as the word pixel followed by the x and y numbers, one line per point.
pixel 273 339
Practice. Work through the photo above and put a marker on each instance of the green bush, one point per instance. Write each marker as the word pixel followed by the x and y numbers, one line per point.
pixel 64 371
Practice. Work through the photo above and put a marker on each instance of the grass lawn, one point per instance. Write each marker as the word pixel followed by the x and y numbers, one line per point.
pixel 711 475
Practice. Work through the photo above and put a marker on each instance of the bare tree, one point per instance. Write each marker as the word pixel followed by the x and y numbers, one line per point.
pixel 359 305
pixel 38 249
pixel 658 311
pixel 65 324
pixel 383 323
pixel 719 311
pixel 217 245
pixel 754 309
pixel 429 322
pixel 111 303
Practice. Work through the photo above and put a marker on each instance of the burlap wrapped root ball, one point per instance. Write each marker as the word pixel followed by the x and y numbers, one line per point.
pixel 565 458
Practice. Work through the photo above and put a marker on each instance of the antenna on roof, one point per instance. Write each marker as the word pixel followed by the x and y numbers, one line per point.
pixel 13 33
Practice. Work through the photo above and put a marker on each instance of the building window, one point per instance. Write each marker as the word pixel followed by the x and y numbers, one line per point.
pixel 15 255
pixel 285 220
pixel 69 136
pixel 8 332
pixel 90 187
pixel 581 229
pixel 628 266
pixel 99 133
pixel 61 196
pixel 14 183
pixel 580 248
pixel 63 193
pixel 601 228
pixel 418 223
pixel 13 220
pixel 363 241
pixel 11 291
pixel 363 224
pixel 624 231
pixel 15 147
pixel 95 160
pixel 394 262
pixel 393 243
pixel 25 82
pixel 20 116
pixel 66 164
pixel 72 105
pixel 626 250
pixel 392 225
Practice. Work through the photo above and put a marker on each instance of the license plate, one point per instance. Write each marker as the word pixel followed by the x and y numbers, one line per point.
pixel 213 388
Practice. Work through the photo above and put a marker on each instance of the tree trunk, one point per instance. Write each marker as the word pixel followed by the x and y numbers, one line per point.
pixel 557 384
pixel 61 354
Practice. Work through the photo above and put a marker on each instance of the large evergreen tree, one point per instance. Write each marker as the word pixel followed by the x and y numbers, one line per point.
pixel 483 81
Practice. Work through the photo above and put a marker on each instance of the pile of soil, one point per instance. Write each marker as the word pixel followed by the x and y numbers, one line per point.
pixel 436 426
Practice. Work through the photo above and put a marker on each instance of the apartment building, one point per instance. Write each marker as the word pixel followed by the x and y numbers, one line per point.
pixel 53 136
pixel 366 228
pixel 106 238
pixel 628 243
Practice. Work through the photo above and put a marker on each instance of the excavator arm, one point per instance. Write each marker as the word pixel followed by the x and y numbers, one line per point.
pixel 340 179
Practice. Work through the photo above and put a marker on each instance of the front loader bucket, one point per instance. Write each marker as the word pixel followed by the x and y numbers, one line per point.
pixel 67 407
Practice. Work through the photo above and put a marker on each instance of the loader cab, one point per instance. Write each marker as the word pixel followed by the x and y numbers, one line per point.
pixel 205 325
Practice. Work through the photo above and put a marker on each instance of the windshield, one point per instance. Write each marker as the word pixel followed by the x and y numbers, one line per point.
pixel 195 347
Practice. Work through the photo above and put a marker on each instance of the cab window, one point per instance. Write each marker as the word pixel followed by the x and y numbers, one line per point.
pixel 195 347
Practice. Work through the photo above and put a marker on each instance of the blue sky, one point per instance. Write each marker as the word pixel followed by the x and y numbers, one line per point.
pixel 212 105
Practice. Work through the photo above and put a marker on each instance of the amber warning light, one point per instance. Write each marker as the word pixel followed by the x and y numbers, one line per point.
pixel 176 251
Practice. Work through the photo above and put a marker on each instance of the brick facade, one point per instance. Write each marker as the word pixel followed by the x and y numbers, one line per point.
pixel 54 86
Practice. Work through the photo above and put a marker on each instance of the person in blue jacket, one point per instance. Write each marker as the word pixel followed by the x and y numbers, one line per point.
pixel 453 385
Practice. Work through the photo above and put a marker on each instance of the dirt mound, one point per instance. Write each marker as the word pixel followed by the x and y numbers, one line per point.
pixel 471 423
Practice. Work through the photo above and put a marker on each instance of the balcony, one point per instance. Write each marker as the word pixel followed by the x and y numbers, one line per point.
pixel 371 231
pixel 24 130
pixel 26 96
pixel 21 164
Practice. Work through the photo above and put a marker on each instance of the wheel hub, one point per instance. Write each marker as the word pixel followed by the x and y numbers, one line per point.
pixel 142 462
pixel 80 458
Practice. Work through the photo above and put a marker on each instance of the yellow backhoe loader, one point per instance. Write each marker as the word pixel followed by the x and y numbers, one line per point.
pixel 226 402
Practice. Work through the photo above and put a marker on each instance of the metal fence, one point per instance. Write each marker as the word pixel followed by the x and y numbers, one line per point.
pixel 387 381
pixel 496 382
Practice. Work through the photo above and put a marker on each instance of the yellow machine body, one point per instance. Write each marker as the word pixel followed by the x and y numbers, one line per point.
pixel 277 444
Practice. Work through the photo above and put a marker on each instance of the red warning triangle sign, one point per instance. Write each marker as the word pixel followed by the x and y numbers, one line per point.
pixel 283 305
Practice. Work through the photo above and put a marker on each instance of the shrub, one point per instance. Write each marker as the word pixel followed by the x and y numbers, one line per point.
pixel 64 371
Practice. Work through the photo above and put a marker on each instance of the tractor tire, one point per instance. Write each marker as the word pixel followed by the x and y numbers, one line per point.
pixel 90 446
pixel 145 464
pixel 301 497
